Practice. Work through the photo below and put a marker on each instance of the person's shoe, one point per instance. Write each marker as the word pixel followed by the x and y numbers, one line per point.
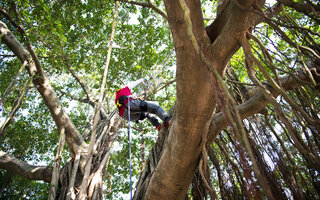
pixel 167 121
pixel 158 127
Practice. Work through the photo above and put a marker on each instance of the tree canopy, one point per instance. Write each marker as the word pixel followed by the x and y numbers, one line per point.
pixel 240 79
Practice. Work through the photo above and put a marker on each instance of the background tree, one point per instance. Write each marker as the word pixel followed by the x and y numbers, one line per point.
pixel 245 120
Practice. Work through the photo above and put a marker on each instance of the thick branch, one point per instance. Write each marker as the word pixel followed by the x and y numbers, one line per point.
pixel 24 169
pixel 255 104
pixel 229 28
pixel 56 167
pixel 42 83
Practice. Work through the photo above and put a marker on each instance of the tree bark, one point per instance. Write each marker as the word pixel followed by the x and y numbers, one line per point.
pixel 106 132
pixel 42 83
pixel 218 122
pixel 257 102
pixel 174 159
pixel 190 124
pixel 56 167
pixel 26 170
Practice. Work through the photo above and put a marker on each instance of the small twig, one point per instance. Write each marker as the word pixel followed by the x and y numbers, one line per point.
pixel 240 83
pixel 147 5
pixel 17 105
pixel 92 103
pixel 7 56
pixel 166 84
pixel 84 86
pixel 22 67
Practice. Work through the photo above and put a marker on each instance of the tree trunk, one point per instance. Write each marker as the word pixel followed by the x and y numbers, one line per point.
pixel 151 164
pixel 106 134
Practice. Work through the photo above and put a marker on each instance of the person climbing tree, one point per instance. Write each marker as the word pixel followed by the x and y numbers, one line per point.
pixel 139 109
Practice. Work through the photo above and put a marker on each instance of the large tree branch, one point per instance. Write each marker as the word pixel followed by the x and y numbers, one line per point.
pixel 26 170
pixel 257 102
pixel 236 19
pixel 42 83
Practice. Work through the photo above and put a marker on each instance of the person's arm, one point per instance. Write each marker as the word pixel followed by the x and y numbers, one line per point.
pixel 134 84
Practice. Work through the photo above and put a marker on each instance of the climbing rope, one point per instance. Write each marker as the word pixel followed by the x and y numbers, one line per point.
pixel 129 127
pixel 129 130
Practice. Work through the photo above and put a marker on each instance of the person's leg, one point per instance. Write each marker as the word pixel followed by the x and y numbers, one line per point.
pixel 138 107
pixel 158 110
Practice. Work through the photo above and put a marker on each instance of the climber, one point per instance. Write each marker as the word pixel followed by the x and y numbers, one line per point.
pixel 139 109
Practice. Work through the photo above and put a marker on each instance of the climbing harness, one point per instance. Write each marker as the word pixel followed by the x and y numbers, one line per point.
pixel 121 102
pixel 129 146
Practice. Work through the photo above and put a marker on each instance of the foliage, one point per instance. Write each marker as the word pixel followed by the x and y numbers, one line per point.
pixel 74 36
pixel 22 188
pixel 77 33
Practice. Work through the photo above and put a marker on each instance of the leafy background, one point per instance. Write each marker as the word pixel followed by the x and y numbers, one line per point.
pixel 77 33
